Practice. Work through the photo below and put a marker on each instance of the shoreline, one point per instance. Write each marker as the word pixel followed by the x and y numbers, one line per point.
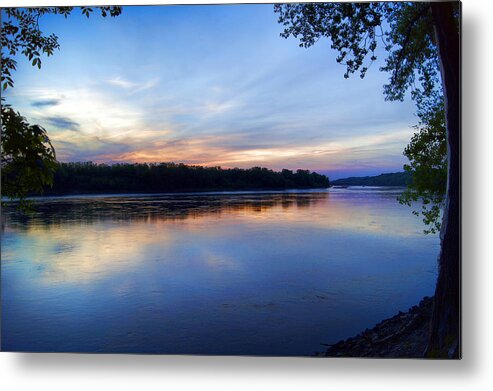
pixel 404 335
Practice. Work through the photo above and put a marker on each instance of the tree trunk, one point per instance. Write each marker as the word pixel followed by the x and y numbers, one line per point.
pixel 444 339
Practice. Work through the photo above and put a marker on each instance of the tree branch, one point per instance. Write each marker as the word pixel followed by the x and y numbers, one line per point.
pixel 409 28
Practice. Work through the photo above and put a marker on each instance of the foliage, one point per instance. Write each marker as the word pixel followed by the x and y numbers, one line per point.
pixel 83 178
pixel 427 152
pixel 28 158
pixel 356 30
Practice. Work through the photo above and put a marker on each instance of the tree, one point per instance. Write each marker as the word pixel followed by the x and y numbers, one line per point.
pixel 28 157
pixel 422 42
pixel 427 154
pixel 80 178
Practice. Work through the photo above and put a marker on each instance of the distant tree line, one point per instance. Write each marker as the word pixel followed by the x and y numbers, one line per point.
pixel 88 177
pixel 392 179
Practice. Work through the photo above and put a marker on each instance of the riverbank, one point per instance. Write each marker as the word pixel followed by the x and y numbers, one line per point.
pixel 405 335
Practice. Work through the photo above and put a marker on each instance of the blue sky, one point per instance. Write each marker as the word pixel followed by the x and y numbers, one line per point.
pixel 210 85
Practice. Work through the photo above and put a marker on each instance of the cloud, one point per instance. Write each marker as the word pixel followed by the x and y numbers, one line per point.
pixel 62 122
pixel 94 109
pixel 82 147
pixel 133 87
pixel 119 82
pixel 45 102
pixel 239 150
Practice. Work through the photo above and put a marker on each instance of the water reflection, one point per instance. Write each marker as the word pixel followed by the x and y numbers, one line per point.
pixel 52 211
pixel 256 273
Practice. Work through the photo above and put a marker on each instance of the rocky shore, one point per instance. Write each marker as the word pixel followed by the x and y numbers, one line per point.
pixel 404 335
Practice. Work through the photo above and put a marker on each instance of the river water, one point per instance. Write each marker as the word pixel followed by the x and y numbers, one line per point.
pixel 252 273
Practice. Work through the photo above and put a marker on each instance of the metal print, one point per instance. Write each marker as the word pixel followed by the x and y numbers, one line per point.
pixel 271 180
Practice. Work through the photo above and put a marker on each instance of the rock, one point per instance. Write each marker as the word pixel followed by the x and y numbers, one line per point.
pixel 403 335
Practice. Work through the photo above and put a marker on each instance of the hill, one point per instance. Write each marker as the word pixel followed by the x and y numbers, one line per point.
pixel 391 179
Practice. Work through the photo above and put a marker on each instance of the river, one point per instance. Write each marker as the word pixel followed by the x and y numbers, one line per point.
pixel 242 273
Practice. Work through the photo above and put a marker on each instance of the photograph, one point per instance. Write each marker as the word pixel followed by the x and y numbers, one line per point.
pixel 275 180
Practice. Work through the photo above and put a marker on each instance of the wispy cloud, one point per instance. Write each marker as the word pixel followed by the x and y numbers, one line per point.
pixel 236 150
pixel 45 102
pixel 62 122
pixel 133 87
pixel 119 82
pixel 82 147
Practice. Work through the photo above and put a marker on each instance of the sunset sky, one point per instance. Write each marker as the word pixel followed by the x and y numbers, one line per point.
pixel 209 85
